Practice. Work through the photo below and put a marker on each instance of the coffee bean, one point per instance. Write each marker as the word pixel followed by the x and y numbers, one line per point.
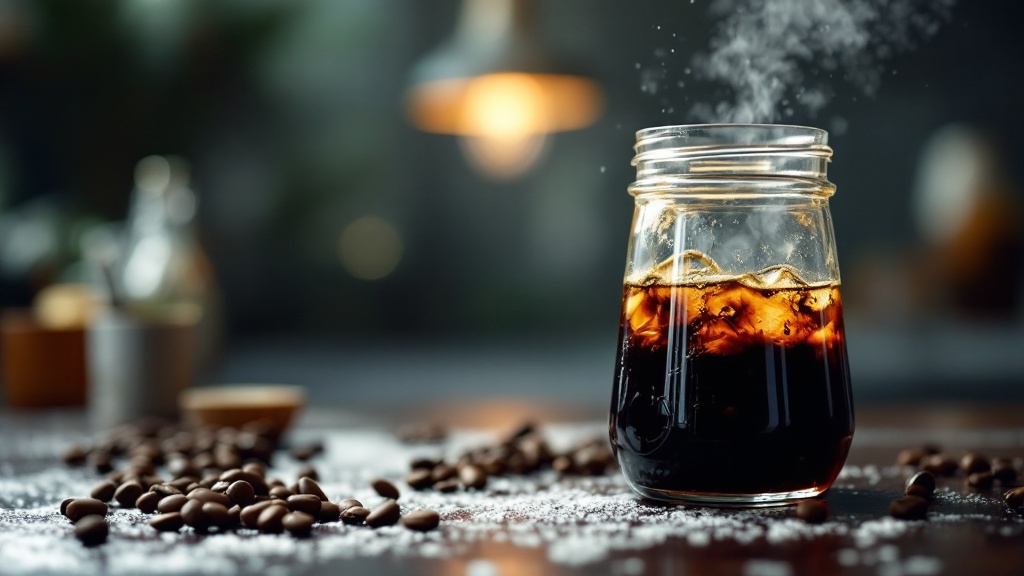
pixel 170 522
pixel 298 523
pixel 812 511
pixel 921 484
pixel 303 452
pixel 234 516
pixel 309 472
pixel 64 506
pixel 981 480
pixel 255 468
pixel 307 503
pixel 421 520
pixel 349 503
pixel 473 476
pixel 269 521
pixel 939 464
pixel 419 479
pixel 386 514
pixel 104 491
pixel 164 489
pixel 81 507
pixel 1014 497
pixel 354 515
pixel 127 493
pixel 909 508
pixel 172 503
pixel 384 488
pixel 973 462
pixel 309 486
pixel 562 464
pixel 209 480
pixel 259 485
pixel 75 455
pixel 207 495
pixel 250 514
pixel 443 472
pixel 329 512
pixel 241 492
pixel 148 502
pixel 92 530
pixel 193 514
pixel 522 431
pixel 182 483
pixel 424 463
pixel 1003 470
pixel 221 486
pixel 216 514
pixel 281 492
pixel 910 456
pixel 446 486
pixel 100 461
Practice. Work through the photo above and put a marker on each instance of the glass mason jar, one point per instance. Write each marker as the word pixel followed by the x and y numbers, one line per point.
pixel 731 379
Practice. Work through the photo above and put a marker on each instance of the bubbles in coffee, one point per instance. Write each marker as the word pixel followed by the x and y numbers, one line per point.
pixel 731 386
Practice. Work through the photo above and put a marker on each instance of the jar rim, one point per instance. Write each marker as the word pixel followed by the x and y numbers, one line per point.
pixel 686 140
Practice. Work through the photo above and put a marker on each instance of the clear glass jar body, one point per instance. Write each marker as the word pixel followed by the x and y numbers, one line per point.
pixel 732 382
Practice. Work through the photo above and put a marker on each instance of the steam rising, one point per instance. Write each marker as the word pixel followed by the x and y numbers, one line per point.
pixel 772 55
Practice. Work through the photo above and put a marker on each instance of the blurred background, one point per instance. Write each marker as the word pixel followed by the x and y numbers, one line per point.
pixel 338 240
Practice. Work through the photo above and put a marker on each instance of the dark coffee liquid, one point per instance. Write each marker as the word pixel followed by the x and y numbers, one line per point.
pixel 730 389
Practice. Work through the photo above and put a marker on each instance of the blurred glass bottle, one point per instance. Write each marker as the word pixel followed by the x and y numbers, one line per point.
pixel 163 261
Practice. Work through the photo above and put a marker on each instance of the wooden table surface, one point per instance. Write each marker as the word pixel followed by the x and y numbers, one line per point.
pixel 540 524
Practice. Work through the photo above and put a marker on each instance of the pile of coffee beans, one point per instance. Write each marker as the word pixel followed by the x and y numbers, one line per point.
pixel 218 482
pixel 524 451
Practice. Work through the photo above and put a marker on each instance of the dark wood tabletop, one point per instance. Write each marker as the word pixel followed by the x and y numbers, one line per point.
pixel 543 523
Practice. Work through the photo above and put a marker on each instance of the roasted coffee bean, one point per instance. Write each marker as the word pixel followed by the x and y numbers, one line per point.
pixel 92 530
pixel 193 514
pixel 973 462
pixel 446 486
pixel 172 503
pixel 64 506
pixel 309 472
pixel 306 451
pixel 354 515
pixel 307 503
pixel 812 511
pixel 329 512
pixel 75 455
pixel 981 480
pixel 81 507
pixel 385 489
pixel 127 493
pixel 522 431
pixel 209 479
pixel 386 514
pixel 259 485
pixel 939 464
pixel 255 468
pixel 1003 470
pixel 298 523
pixel 421 520
pixel 281 492
pixel 234 516
pixel 910 456
pixel 164 489
pixel 207 495
pixel 562 464
pixel 419 479
pixel 241 492
pixel 148 502
pixel 104 491
pixel 424 463
pixel 250 514
pixel 1014 497
pixel 921 484
pixel 100 461
pixel 349 503
pixel 182 483
pixel 472 476
pixel 170 522
pixel 590 461
pixel 909 508
pixel 216 514
pixel 269 521
pixel 309 486
pixel 221 486
pixel 443 472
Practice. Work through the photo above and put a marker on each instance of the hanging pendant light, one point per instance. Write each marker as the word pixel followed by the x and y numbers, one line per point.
pixel 496 86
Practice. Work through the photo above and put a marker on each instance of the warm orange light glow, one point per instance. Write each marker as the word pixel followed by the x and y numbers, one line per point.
pixel 505 104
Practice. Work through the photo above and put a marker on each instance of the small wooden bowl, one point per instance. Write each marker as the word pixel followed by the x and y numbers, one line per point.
pixel 236 406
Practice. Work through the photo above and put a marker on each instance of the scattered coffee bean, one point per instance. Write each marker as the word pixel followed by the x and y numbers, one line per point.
pixel 921 484
pixel 281 492
pixel 421 520
pixel 234 516
pixel 298 523
pixel 812 511
pixel 329 512
pixel 269 521
pixel 446 486
pixel 255 468
pixel 64 506
pixel 221 486
pixel 909 508
pixel 256 481
pixel 939 464
pixel 207 495
pixel 216 514
pixel 170 522
pixel 104 491
pixel 172 503
pixel 910 456
pixel 309 486
pixel 100 461
pixel 75 455
pixel 349 503
pixel 81 507
pixel 250 514
pixel 424 463
pixel 1003 470
pixel 386 514
pixel 973 462
pixel 193 514
pixel 148 502
pixel 1014 497
pixel 443 472
pixel 354 515
pixel 164 489
pixel 241 492
pixel 562 464
pixel 472 476
pixel 307 503
pixel 127 493
pixel 92 530
pixel 384 488
pixel 309 472
pixel 981 480
pixel 419 479
pixel 303 452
